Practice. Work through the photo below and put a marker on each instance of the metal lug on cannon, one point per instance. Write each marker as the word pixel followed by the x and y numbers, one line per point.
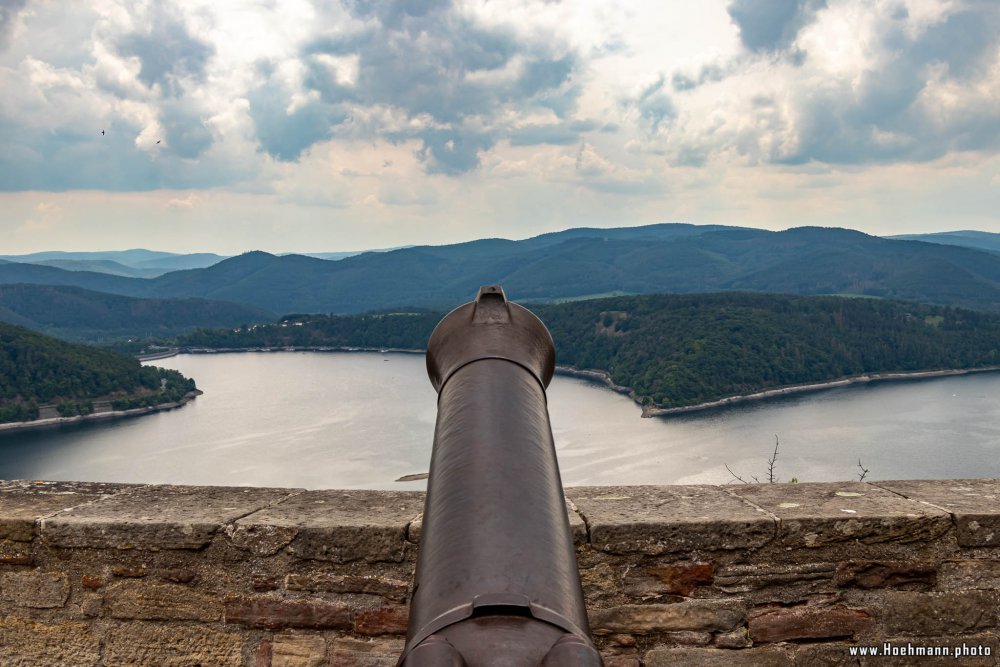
pixel 434 651
pixel 572 651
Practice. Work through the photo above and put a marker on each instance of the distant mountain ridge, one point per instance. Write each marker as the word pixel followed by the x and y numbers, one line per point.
pixel 142 263
pixel 966 238
pixel 577 263
pixel 73 313
pixel 136 263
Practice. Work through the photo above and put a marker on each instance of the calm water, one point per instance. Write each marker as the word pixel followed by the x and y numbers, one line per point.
pixel 358 420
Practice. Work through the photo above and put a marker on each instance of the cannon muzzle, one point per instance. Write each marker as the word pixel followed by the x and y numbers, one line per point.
pixel 496 580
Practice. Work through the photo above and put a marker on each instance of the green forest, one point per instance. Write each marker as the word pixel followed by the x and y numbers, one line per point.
pixel 680 350
pixel 37 370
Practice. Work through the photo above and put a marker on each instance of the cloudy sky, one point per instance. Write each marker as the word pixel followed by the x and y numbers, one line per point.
pixel 323 125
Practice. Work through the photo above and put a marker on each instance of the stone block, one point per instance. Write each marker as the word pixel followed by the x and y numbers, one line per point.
pixel 738 638
pixel 975 504
pixel 390 589
pixel 342 526
pixel 630 659
pixel 15 553
pixel 298 649
pixel 262 656
pixel 157 517
pixel 687 638
pixel 980 574
pixel 777 624
pixel 27 643
pixel 940 614
pixel 35 589
pixel 778 582
pixel 261 539
pixel 886 574
pixel 603 580
pixel 715 657
pixel 91 605
pixel 151 600
pixel 577 526
pixel 669 519
pixel 381 652
pixel 139 644
pixel 621 640
pixel 697 615
pixel 382 620
pixel 415 529
pixel 682 578
pixel 264 583
pixel 24 503
pixel 822 514
pixel 178 575
pixel 276 613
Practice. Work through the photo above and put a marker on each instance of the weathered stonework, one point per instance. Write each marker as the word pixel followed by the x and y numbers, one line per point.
pixel 39 590
pixel 669 519
pixel 103 575
pixel 144 644
pixel 58 644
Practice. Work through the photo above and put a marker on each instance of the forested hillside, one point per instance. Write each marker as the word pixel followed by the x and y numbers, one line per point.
pixel 576 264
pixel 81 315
pixel 37 369
pixel 678 350
pixel 689 349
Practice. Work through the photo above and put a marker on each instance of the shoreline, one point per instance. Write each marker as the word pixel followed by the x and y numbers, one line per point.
pixel 291 348
pixel 867 378
pixel 17 427
pixel 603 378
pixel 166 354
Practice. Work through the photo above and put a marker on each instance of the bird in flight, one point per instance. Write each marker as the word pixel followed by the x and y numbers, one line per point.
pixel 157 141
pixel 102 133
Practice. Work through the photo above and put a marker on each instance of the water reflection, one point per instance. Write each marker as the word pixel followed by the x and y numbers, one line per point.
pixel 359 421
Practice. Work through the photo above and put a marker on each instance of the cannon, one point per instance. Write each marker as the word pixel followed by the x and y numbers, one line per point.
pixel 496 581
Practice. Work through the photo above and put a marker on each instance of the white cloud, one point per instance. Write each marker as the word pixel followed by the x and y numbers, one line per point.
pixel 524 113
pixel 186 203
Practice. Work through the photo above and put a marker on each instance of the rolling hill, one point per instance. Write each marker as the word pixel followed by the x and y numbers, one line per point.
pixel 138 263
pixel 684 349
pixel 37 370
pixel 574 264
pixel 966 238
pixel 73 313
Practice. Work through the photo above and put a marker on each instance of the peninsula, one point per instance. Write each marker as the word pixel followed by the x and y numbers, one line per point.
pixel 680 352
pixel 45 381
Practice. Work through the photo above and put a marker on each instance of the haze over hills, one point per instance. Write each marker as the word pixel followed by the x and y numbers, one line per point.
pixel 108 266
pixel 141 263
pixel 573 264
pixel 137 263
pixel 965 238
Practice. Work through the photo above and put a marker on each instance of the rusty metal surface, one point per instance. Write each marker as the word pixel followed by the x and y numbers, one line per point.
pixel 496 583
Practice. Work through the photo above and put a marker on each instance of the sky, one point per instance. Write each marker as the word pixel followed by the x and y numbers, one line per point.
pixel 326 125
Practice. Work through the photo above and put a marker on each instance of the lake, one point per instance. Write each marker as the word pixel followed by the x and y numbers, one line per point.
pixel 362 420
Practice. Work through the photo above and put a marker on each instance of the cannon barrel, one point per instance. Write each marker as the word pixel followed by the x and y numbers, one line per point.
pixel 497 583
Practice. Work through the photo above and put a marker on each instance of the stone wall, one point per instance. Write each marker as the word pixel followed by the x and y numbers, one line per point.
pixel 783 574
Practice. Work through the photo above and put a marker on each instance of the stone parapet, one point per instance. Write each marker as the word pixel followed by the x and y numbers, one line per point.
pixel 772 574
